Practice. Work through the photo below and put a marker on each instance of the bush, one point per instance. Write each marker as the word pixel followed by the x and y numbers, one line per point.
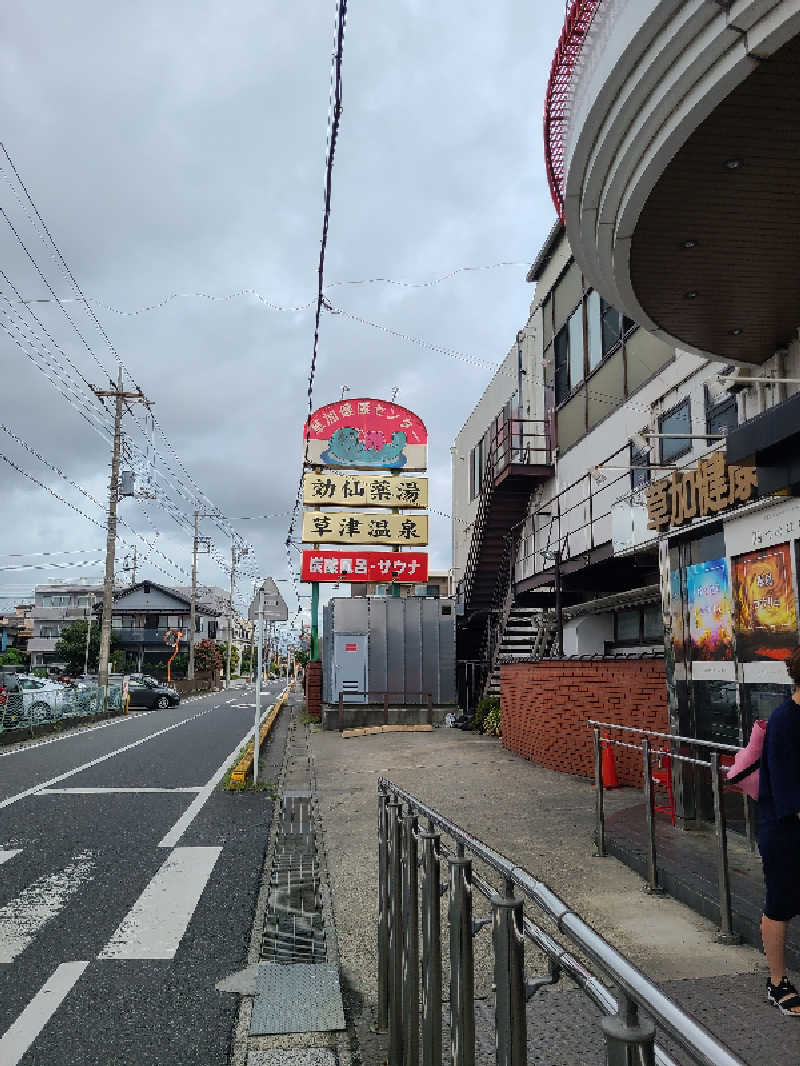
pixel 491 723
pixel 484 708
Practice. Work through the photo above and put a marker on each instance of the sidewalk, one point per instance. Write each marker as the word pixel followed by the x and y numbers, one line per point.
pixel 544 821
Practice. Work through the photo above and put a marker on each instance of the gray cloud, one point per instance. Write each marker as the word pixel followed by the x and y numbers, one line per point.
pixel 180 147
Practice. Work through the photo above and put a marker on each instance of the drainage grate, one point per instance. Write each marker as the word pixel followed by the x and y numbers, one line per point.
pixel 294 931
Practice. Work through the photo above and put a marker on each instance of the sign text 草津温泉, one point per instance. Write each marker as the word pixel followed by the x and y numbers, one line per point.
pixel 401 567
pixel 365 490
pixel 349 527
pixel 688 494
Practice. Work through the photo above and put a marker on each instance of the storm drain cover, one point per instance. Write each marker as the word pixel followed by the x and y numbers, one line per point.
pixel 296 998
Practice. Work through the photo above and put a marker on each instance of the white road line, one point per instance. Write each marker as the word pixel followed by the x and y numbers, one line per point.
pixel 70 735
pixel 8 853
pixel 22 918
pixel 22 1033
pixel 106 791
pixel 197 804
pixel 100 758
pixel 154 926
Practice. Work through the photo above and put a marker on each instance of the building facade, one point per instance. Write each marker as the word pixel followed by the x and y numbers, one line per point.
pixel 437 586
pixel 58 604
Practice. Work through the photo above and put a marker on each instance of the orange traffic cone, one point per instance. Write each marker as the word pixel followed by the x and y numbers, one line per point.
pixel 609 769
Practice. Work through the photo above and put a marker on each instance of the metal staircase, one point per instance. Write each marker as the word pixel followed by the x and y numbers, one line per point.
pixel 528 633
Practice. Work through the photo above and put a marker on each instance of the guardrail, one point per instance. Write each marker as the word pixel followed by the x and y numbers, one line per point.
pixel 40 709
pixel 726 933
pixel 629 1037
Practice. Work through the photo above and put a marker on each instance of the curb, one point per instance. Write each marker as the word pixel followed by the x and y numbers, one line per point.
pixel 245 764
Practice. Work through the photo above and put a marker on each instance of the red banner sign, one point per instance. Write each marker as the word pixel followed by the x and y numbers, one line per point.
pixel 406 568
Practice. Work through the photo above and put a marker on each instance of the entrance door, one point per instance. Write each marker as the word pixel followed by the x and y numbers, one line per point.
pixel 350 666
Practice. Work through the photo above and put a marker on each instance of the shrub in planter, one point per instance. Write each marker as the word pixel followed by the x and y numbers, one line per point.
pixel 491 722
pixel 482 710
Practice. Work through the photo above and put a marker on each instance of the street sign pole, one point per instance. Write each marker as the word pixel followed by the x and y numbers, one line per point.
pixel 258 683
pixel 315 620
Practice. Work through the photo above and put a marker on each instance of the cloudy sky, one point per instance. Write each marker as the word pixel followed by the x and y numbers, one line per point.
pixel 176 148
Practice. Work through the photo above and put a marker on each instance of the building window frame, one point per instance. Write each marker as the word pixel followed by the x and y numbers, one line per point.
pixel 716 410
pixel 672 448
pixel 639 457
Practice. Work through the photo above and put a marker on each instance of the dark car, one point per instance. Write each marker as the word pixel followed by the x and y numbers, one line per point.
pixel 149 694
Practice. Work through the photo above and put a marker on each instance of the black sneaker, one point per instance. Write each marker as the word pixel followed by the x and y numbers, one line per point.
pixel 784 996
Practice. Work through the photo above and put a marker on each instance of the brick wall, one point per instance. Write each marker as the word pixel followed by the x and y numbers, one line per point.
pixel 545 707
pixel 314 688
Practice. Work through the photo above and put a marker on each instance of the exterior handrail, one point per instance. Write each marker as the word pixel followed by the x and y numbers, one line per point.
pixel 664 736
pixel 637 989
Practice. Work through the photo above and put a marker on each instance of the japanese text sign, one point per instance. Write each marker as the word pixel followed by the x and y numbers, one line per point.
pixel 403 568
pixel 366 434
pixel 348 527
pixel 364 490
pixel 766 623
pixel 689 494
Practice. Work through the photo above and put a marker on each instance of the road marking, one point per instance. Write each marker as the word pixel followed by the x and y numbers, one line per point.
pixel 22 1033
pixel 23 917
pixel 105 791
pixel 154 926
pixel 8 853
pixel 101 758
pixel 70 735
pixel 197 804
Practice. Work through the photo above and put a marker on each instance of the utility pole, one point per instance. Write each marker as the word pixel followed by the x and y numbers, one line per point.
pixel 234 559
pixel 88 634
pixel 193 609
pixel 258 683
pixel 120 396
pixel 198 542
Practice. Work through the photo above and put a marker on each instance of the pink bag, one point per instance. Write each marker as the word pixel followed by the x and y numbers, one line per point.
pixel 743 774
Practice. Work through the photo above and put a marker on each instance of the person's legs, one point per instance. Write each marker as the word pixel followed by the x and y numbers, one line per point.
pixel 773 936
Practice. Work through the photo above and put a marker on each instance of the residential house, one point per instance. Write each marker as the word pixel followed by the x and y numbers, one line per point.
pixel 57 604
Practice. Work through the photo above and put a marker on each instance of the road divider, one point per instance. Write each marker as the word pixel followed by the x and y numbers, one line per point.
pixel 245 764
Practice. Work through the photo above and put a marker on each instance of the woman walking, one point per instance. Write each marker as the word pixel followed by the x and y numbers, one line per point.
pixel 779 838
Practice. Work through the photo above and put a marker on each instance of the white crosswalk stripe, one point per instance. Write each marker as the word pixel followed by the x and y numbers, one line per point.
pixel 23 917
pixel 8 853
pixel 154 926
pixel 22 1033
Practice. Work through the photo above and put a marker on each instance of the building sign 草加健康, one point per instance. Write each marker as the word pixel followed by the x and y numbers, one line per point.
pixel 688 494
pixel 364 490
pixel 347 527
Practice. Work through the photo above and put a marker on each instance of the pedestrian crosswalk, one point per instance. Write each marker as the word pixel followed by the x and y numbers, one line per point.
pixel 152 928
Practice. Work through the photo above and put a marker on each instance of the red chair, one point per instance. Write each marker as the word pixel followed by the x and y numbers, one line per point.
pixel 662 778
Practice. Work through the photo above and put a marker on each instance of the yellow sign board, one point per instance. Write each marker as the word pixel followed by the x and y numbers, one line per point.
pixel 348 527
pixel 364 490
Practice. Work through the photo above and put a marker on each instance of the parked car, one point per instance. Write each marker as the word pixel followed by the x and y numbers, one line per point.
pixel 42 700
pixel 149 694
pixel 12 714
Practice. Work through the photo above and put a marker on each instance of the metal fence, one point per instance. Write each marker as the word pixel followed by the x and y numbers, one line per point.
pixel 629 1036
pixel 671 745
pixel 38 709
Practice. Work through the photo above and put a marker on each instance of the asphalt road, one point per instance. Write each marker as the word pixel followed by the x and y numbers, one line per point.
pixel 120 908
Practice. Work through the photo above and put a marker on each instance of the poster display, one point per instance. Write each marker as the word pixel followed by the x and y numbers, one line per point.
pixel 710 622
pixel 406 568
pixel 765 618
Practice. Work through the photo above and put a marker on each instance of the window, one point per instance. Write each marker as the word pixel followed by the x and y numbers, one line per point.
pixel 55 601
pixel 640 467
pixel 674 424
pixel 593 329
pixel 562 365
pixel 212 630
pixel 477 459
pixel 627 626
pixel 575 335
pixel 653 628
pixel 721 416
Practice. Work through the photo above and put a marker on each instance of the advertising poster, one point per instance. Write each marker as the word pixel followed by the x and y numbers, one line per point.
pixel 709 596
pixel 676 611
pixel 766 623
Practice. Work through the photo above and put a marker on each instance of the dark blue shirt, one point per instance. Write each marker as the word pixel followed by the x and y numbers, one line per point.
pixel 779 779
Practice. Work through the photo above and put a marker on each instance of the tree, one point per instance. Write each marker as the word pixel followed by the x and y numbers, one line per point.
pixel 234 657
pixel 13 657
pixel 301 657
pixel 207 656
pixel 72 646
